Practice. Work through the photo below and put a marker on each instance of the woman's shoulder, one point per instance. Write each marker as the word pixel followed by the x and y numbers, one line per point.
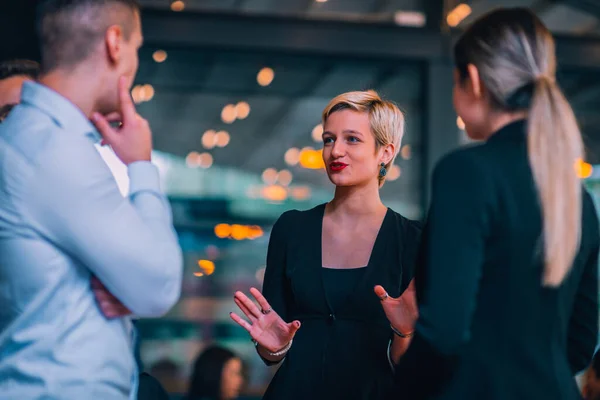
pixel 464 157
pixel 474 162
pixel 295 216
pixel 296 220
pixel 408 231
pixel 410 227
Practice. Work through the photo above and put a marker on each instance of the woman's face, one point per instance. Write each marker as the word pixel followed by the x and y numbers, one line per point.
pixel 349 149
pixel 231 379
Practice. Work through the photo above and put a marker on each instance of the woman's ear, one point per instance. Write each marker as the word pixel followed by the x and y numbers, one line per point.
pixel 388 153
pixel 474 81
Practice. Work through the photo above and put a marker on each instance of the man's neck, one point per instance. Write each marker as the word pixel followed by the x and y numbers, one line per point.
pixel 75 86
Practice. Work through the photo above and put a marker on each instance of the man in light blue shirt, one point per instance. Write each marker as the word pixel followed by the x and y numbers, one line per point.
pixel 63 219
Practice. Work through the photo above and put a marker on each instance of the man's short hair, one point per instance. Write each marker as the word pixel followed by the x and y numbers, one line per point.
pixel 11 68
pixel 68 30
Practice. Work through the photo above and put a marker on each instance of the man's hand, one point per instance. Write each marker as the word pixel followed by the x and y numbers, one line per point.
pixel 132 140
pixel 110 306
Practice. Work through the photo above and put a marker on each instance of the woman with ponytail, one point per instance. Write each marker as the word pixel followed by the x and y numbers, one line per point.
pixel 507 282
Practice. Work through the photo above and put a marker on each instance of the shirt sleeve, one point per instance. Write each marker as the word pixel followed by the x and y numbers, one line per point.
pixel 127 242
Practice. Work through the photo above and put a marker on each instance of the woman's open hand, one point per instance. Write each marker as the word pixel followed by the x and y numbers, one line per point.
pixel 265 326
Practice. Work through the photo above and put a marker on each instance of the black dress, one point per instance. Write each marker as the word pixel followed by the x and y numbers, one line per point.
pixel 341 352
pixel 487 328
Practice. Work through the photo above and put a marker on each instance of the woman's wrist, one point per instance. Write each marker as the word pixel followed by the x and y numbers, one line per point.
pixel 282 351
pixel 403 335
pixel 278 353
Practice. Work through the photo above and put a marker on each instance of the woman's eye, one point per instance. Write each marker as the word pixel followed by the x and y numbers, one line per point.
pixel 327 140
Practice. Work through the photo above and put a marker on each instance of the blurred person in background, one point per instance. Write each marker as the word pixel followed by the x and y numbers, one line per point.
pixel 169 374
pixel 149 388
pixel 217 375
pixel 319 314
pixel 13 73
pixel 63 217
pixel 507 278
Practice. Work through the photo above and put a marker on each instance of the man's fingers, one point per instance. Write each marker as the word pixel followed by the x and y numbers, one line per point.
pixel 127 107
pixel 113 311
pixel 114 117
pixel 102 295
pixel 96 284
pixel 123 310
pixel 103 126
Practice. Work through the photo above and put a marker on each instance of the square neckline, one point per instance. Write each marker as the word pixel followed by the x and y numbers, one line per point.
pixel 367 269
pixel 375 243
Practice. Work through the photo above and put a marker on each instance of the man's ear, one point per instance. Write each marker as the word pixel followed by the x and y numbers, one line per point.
pixel 113 40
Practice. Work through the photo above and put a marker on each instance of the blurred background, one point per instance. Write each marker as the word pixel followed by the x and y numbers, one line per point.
pixel 234 89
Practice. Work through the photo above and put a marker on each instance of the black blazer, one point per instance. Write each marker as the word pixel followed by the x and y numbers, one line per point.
pixel 339 355
pixel 487 328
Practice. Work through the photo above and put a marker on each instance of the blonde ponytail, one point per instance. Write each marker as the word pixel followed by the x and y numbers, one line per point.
pixel 554 146
pixel 516 57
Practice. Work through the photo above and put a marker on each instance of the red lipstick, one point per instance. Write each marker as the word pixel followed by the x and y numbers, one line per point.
pixel 337 166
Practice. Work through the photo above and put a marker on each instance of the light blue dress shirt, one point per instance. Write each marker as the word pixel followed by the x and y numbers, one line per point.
pixel 63 219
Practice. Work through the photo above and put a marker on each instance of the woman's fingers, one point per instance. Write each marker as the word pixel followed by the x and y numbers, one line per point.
pixel 294 326
pixel 381 293
pixel 262 302
pixel 252 308
pixel 241 322
pixel 244 309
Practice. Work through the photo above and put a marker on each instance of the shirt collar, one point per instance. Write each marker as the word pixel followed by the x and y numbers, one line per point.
pixel 64 113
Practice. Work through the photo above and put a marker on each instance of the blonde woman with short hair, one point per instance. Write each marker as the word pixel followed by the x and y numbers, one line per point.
pixel 319 314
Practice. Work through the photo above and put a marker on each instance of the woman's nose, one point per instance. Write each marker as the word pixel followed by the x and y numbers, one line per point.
pixel 338 149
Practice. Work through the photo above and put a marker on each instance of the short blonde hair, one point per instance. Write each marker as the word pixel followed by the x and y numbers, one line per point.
pixel 387 121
